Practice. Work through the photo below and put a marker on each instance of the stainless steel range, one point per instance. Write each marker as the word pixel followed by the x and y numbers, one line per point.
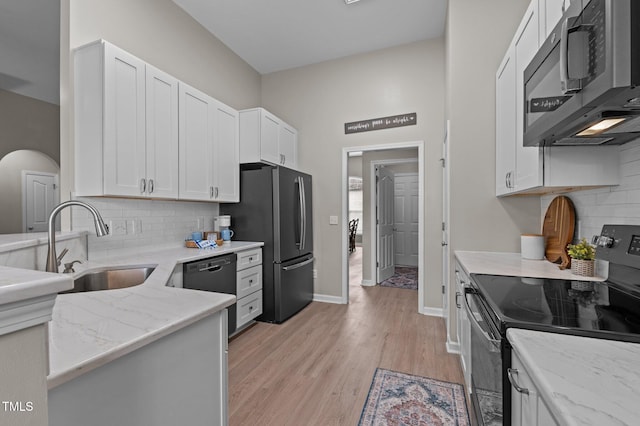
pixel 602 309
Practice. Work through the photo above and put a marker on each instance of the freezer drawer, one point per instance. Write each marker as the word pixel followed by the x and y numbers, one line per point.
pixel 248 308
pixel 294 286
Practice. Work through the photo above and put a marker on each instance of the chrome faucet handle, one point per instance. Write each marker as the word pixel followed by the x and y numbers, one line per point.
pixel 68 267
pixel 59 258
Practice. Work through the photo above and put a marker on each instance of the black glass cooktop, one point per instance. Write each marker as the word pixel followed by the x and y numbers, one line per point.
pixel 596 309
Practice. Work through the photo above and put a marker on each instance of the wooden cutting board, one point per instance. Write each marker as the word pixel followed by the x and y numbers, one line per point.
pixel 557 228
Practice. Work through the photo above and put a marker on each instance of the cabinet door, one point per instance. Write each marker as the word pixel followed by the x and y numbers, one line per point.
pixel 524 400
pixel 288 143
pixel 196 117
pixel 162 134
pixel 552 14
pixel 506 124
pixel 528 159
pixel 226 153
pixel 269 133
pixel 124 123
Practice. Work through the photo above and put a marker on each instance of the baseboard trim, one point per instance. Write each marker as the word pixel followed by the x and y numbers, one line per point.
pixel 367 283
pixel 433 312
pixel 453 347
pixel 328 299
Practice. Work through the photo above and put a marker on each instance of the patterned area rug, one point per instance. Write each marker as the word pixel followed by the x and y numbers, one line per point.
pixel 403 399
pixel 404 277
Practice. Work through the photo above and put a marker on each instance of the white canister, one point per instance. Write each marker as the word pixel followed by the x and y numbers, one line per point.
pixel 532 246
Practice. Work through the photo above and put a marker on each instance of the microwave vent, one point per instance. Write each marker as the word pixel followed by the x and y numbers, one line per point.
pixel 581 141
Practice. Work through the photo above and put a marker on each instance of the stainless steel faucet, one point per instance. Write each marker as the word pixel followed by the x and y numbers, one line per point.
pixel 101 230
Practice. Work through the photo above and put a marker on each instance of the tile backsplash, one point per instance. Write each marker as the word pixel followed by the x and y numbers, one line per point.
pixel 611 205
pixel 136 223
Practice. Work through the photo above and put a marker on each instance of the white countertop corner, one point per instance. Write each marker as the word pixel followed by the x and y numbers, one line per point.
pixel 584 381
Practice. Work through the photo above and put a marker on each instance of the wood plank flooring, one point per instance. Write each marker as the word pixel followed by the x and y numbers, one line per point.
pixel 316 368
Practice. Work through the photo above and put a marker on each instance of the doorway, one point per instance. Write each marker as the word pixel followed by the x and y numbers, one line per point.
pixel 397 154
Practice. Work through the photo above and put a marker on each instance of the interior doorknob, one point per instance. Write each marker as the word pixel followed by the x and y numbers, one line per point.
pixel 444 243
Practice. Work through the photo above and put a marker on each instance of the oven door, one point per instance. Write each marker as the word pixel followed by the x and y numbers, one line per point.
pixel 486 361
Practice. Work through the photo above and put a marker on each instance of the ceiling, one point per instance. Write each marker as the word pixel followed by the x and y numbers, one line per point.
pixel 275 35
pixel 271 35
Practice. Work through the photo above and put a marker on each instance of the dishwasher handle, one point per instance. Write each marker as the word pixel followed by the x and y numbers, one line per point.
pixel 212 268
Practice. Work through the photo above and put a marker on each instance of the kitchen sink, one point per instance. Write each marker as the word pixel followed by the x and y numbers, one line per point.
pixel 111 278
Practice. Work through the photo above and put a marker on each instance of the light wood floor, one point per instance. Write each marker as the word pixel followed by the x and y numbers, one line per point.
pixel 316 368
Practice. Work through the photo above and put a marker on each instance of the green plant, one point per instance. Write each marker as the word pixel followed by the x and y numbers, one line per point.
pixel 582 251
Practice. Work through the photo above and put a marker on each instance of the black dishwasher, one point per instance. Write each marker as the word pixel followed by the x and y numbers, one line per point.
pixel 217 274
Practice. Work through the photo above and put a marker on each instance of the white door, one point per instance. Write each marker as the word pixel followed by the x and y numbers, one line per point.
pixel 40 197
pixel 384 219
pixel 124 123
pixel 406 219
pixel 226 155
pixel 162 134
pixel 287 143
pixel 195 128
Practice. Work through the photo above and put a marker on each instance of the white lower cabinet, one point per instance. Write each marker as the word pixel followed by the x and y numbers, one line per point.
pixel 463 326
pixel 528 408
pixel 180 379
pixel 248 286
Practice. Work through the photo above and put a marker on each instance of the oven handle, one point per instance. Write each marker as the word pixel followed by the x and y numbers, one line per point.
pixel 488 335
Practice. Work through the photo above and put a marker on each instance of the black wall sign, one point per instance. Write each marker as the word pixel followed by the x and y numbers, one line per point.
pixel 381 123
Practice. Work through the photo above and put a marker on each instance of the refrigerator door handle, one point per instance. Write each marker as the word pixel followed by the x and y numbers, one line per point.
pixel 302 212
pixel 298 265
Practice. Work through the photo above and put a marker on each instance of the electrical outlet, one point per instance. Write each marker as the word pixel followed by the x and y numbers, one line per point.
pixel 315 274
pixel 117 227
pixel 200 224
pixel 333 220
pixel 134 226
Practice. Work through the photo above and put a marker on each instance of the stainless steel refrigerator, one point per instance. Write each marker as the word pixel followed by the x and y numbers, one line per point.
pixel 275 207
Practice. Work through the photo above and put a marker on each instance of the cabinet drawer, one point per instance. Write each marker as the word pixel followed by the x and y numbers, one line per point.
pixel 248 308
pixel 249 258
pixel 249 281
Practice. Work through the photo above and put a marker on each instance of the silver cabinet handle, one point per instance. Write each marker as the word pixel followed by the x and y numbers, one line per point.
pixel 211 192
pixel 511 372
pixel 217 192
pixel 143 185
pixel 151 186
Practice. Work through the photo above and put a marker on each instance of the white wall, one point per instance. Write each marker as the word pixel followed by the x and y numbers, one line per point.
pixel 319 99
pixel 612 205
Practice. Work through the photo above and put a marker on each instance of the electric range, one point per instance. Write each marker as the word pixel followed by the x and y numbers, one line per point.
pixel 608 309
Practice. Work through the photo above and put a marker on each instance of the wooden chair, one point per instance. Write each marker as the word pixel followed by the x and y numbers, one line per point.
pixel 353 227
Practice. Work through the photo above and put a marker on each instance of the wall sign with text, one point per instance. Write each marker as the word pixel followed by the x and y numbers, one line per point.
pixel 381 123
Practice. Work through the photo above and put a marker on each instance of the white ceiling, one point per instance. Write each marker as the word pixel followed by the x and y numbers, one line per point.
pixel 274 35
pixel 29 48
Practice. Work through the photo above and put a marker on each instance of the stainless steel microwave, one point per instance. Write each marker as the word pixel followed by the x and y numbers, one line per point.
pixel 582 86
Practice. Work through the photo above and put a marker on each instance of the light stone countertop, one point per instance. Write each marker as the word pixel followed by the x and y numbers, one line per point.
pixel 93 328
pixel 584 381
pixel 512 264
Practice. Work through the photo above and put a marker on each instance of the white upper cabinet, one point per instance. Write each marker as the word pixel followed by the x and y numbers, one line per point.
pixel 162 134
pixel 142 133
pixel 126 125
pixel 506 124
pixel 528 159
pixel 264 137
pixel 552 11
pixel 209 167
pixel 536 170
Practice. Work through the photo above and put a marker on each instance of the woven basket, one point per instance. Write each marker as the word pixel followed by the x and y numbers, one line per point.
pixel 582 267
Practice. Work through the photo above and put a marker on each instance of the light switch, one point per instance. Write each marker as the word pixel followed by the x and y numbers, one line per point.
pixel 333 220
